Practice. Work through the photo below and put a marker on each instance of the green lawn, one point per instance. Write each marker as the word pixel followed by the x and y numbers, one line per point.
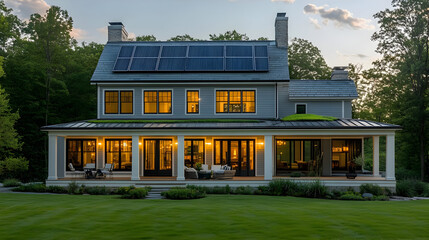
pixel 27 216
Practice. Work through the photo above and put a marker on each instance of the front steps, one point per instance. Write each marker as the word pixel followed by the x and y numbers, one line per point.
pixel 155 192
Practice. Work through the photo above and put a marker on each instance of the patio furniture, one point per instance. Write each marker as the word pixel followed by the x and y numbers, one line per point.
pixel 191 173
pixel 72 170
pixel 204 174
pixel 90 171
pixel 222 172
pixel 107 170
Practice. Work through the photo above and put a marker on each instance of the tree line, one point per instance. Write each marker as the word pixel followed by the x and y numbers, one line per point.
pixel 45 80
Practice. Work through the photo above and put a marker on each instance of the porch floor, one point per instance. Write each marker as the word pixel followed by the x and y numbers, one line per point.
pixel 257 178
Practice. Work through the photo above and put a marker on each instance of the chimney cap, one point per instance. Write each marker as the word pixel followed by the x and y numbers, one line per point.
pixel 281 14
pixel 116 23
pixel 341 68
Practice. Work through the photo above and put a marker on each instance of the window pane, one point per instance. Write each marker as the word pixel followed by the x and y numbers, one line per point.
pixel 188 153
pixel 221 101
pixel 248 101
pixel 111 102
pixel 218 152
pixel 74 155
pixel 112 153
pixel 193 101
pixel 300 109
pixel 235 101
pixel 127 102
pixel 251 153
pixel 149 149
pixel 198 152
pixel 150 102
pixel 126 155
pixel 165 154
pixel 88 151
pixel 164 101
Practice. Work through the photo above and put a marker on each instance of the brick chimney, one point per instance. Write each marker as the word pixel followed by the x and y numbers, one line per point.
pixel 281 28
pixel 340 73
pixel 116 32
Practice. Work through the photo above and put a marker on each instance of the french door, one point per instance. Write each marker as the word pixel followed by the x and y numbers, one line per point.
pixel 158 157
pixel 239 154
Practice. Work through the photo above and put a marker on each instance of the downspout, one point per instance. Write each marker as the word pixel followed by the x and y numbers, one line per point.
pixel 277 107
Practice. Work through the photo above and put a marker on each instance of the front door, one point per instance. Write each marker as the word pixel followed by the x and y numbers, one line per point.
pixel 158 157
pixel 239 154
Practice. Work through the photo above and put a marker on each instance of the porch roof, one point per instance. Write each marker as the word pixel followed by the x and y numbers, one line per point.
pixel 241 124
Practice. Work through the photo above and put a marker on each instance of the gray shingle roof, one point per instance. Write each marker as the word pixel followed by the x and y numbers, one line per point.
pixel 274 124
pixel 277 62
pixel 320 89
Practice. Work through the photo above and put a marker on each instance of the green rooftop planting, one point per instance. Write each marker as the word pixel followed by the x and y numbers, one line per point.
pixel 177 121
pixel 308 117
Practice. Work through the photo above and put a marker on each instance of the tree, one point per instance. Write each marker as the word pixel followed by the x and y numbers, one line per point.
pixel 229 36
pixel 146 38
pixel 185 37
pixel 403 41
pixel 306 61
pixel 10 26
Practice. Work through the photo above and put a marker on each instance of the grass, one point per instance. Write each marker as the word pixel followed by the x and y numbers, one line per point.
pixel 308 117
pixel 177 121
pixel 30 216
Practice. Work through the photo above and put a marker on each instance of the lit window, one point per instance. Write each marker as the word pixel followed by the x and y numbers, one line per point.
pixel 235 101
pixel 193 101
pixel 157 102
pixel 127 102
pixel 111 104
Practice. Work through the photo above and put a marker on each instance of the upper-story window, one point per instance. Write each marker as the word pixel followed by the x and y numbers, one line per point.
pixel 235 101
pixel 192 101
pixel 118 102
pixel 301 108
pixel 157 102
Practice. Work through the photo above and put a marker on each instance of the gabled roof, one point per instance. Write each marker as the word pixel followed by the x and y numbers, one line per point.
pixel 277 63
pixel 262 124
pixel 322 89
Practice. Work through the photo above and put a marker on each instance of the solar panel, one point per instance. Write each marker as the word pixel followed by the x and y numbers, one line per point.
pixel 143 64
pixel 239 64
pixel 147 51
pixel 122 64
pixel 172 64
pixel 204 64
pixel 261 64
pixel 239 51
pixel 126 51
pixel 261 51
pixel 206 51
pixel 174 51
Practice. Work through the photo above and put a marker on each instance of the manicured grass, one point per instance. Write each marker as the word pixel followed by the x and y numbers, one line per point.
pixel 28 216
pixel 308 117
pixel 177 121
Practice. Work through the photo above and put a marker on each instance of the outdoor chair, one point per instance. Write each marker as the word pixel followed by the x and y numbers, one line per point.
pixel 72 170
pixel 107 170
pixel 191 173
pixel 222 172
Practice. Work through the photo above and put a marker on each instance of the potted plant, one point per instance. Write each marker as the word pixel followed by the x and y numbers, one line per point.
pixel 353 163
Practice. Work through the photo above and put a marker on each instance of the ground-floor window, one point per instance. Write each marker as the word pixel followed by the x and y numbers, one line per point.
pixel 238 154
pixel 119 152
pixel 80 152
pixel 194 152
pixel 344 151
pixel 296 155
pixel 158 157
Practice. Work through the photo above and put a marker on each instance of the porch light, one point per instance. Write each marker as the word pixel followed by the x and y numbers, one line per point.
pixel 345 149
pixel 208 143
pixel 176 143
pixel 140 143
pixel 99 144
pixel 261 143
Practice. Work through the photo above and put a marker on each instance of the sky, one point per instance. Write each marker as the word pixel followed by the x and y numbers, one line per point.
pixel 341 29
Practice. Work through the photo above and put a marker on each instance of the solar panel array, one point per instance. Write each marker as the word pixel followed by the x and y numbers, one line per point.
pixel 192 58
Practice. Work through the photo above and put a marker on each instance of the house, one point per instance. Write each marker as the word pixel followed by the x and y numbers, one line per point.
pixel 164 106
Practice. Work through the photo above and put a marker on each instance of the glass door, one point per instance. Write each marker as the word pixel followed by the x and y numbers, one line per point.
pixel 158 157
pixel 194 152
pixel 238 154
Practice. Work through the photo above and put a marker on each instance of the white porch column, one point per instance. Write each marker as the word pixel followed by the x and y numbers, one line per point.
pixel 390 157
pixel 52 166
pixel 135 174
pixel 376 156
pixel 180 157
pixel 268 157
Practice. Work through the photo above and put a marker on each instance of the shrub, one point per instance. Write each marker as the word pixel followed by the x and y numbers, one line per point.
pixel 12 182
pixel 405 174
pixel 248 190
pixel 313 189
pixel 183 193
pixel 371 188
pixel 136 193
pixel 283 187
pixel 74 188
pixel 199 188
pixel 262 190
pixel 13 167
pixel 56 189
pixel 296 174
pixel 124 190
pixel 36 187
pixel 411 188
pixel 380 198
pixel 98 190
pixel 351 196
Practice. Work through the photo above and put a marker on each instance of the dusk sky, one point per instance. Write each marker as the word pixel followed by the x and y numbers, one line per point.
pixel 341 29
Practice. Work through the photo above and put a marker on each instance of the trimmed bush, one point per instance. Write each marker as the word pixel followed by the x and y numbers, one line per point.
pixel 98 190
pixel 11 183
pixel 248 190
pixel 281 187
pixel 136 193
pixel 183 193
pixel 13 168
pixel 411 188
pixel 262 190
pixel 380 198
pixel 37 187
pixel 372 188
pixel 351 196
pixel 313 189
pixel 56 189
pixel 124 190
pixel 74 188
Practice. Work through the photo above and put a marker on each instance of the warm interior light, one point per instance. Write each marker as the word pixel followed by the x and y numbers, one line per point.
pixel 176 143
pixel 261 143
pixel 345 149
pixel 99 144
pixel 208 143
pixel 125 144
pixel 140 143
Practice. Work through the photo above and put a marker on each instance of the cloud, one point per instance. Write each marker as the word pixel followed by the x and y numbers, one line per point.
pixel 78 33
pixel 315 23
pixel 102 30
pixel 357 55
pixel 340 16
pixel 24 8
pixel 285 1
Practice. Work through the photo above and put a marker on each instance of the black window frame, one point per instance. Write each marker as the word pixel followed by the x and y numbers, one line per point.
pixel 120 155
pixel 241 100
pixel 119 101
pixel 80 168
pixel 187 102
pixel 192 152
pixel 300 105
pixel 313 153
pixel 157 101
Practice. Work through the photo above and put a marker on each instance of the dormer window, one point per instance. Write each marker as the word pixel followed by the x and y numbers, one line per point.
pixel 157 102
pixel 116 102
pixel 301 108
pixel 235 101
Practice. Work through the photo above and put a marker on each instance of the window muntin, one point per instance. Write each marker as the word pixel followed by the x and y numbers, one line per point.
pixel 235 101
pixel 127 102
pixel 119 152
pixel 80 152
pixel 194 152
pixel 157 102
pixel 299 155
pixel 118 102
pixel 192 101
pixel 301 109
